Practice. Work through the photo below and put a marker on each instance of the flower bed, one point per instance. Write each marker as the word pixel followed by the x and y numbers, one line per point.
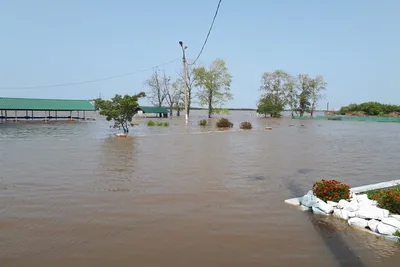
pixel 376 211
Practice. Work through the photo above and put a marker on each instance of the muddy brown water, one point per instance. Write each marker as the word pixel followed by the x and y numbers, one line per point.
pixel 74 195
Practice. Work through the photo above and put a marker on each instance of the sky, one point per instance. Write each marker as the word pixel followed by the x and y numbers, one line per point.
pixel 354 45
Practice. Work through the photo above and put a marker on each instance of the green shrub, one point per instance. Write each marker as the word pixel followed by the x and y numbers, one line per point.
pixel 160 123
pixel 166 124
pixel 151 123
pixel 387 199
pixel 224 123
pixel 331 190
pixel 246 125
pixel 203 122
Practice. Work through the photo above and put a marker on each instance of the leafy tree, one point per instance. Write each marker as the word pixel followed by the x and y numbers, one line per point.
pixel 271 105
pixel 213 84
pixel 317 86
pixel 276 86
pixel 120 109
pixel 303 85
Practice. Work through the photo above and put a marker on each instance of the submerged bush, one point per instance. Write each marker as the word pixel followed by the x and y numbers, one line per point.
pixel 331 190
pixel 224 123
pixel 387 199
pixel 151 123
pixel 246 125
pixel 203 122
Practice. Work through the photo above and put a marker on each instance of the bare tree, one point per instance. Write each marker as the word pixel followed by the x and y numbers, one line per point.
pixel 172 93
pixel 180 86
pixel 157 93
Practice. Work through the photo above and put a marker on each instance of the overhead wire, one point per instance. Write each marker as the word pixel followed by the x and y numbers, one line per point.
pixel 208 34
pixel 87 81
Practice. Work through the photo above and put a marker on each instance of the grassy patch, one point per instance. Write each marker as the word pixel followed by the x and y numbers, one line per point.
pixel 203 122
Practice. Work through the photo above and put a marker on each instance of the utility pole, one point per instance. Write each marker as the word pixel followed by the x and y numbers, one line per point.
pixel 185 81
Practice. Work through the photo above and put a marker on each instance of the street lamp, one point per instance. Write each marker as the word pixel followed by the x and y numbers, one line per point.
pixel 185 81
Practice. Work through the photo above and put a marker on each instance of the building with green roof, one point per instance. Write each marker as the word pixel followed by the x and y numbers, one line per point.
pixel 163 112
pixel 48 106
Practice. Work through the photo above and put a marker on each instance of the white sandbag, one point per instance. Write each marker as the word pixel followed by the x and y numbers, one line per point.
pixel 372 212
pixel 293 201
pixel 352 206
pixel 373 225
pixel 309 199
pixel 351 214
pixel 341 214
pixel 332 203
pixel 318 211
pixel 362 197
pixel 395 216
pixel 325 207
pixel 358 222
pixel 385 229
pixel 392 222
pixel 343 203
pixel 304 208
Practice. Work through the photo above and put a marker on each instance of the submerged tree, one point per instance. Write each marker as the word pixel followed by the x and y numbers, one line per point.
pixel 276 86
pixel 270 105
pixel 157 92
pixel 214 85
pixel 317 86
pixel 120 109
pixel 303 86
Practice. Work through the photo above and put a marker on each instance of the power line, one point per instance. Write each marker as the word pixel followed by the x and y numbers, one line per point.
pixel 208 34
pixel 87 81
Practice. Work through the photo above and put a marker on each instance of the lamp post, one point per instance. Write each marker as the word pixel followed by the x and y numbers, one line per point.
pixel 185 81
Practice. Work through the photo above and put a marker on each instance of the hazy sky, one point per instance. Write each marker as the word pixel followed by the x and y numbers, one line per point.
pixel 353 44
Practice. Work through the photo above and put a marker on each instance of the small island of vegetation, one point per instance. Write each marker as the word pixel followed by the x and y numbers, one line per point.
pixel 370 109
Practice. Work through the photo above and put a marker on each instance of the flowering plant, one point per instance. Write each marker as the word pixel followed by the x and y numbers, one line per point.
pixel 331 190
pixel 387 199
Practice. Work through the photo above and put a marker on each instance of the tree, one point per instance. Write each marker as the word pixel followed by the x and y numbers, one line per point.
pixel 276 86
pixel 269 105
pixel 317 86
pixel 120 109
pixel 171 92
pixel 157 92
pixel 213 84
pixel 304 87
pixel 292 96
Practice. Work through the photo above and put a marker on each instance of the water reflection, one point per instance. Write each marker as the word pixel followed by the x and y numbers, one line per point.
pixel 116 164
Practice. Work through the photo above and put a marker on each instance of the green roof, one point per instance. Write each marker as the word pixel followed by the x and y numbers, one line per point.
pixel 153 109
pixel 44 104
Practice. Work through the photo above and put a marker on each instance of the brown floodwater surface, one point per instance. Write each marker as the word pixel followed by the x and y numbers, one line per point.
pixel 74 195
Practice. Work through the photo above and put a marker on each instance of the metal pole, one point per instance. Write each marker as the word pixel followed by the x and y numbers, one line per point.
pixel 185 82
pixel 15 116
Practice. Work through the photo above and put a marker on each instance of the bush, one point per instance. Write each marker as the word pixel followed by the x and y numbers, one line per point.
pixel 151 123
pixel 331 190
pixel 160 123
pixel 203 122
pixel 246 125
pixel 166 124
pixel 224 123
pixel 387 199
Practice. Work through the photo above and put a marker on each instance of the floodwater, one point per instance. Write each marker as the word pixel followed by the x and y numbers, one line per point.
pixel 74 195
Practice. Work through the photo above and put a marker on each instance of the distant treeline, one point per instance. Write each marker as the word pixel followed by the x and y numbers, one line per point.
pixel 370 109
pixel 233 109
